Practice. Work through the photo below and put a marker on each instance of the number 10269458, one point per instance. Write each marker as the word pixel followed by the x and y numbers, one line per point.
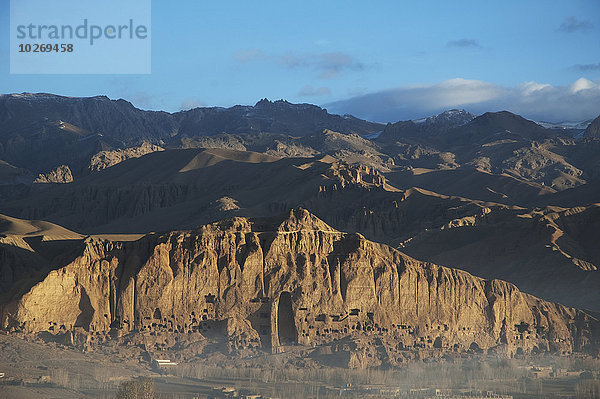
pixel 46 48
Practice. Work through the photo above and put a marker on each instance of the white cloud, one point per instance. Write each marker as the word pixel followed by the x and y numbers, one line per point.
pixel 581 84
pixel 532 87
pixel 461 92
pixel 539 101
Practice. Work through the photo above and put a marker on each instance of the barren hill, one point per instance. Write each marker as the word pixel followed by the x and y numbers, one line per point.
pixel 183 188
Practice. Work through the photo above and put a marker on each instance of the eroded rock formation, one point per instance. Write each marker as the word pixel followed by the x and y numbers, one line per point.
pixel 61 174
pixel 273 282
pixel 107 158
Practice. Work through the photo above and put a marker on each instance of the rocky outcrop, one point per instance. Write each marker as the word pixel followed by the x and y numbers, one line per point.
pixel 108 158
pixel 62 174
pixel 272 282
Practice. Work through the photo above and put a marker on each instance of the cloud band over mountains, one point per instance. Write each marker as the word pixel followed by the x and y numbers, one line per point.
pixel 543 102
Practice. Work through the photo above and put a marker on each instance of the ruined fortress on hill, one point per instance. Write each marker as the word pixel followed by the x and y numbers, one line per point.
pixel 269 283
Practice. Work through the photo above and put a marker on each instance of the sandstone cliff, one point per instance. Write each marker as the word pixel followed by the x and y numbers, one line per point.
pixel 273 282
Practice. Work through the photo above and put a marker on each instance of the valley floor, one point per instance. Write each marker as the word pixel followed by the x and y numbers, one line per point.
pixel 35 369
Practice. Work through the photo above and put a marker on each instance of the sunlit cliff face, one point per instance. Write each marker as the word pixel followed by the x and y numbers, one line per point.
pixel 273 282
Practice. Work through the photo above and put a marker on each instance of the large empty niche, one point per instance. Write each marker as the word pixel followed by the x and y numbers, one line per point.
pixel 87 311
pixel 286 328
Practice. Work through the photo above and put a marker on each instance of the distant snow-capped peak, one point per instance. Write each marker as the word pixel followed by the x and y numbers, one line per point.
pixel 452 117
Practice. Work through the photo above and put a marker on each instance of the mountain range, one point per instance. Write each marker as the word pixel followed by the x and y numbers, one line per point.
pixel 85 181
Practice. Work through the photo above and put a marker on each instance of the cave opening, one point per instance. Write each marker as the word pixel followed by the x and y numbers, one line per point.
pixel 286 327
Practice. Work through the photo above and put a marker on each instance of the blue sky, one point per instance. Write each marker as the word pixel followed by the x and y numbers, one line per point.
pixel 381 60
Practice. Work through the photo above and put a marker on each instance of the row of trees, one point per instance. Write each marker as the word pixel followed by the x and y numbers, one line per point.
pixel 142 388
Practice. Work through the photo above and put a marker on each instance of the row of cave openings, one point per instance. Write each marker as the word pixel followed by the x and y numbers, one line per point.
pixel 285 327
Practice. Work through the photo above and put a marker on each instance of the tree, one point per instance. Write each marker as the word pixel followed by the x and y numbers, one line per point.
pixel 142 388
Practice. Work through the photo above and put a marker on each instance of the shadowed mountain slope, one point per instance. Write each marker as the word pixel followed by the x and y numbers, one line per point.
pixel 42 131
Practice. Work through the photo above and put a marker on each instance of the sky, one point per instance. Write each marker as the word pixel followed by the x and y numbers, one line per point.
pixel 378 60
